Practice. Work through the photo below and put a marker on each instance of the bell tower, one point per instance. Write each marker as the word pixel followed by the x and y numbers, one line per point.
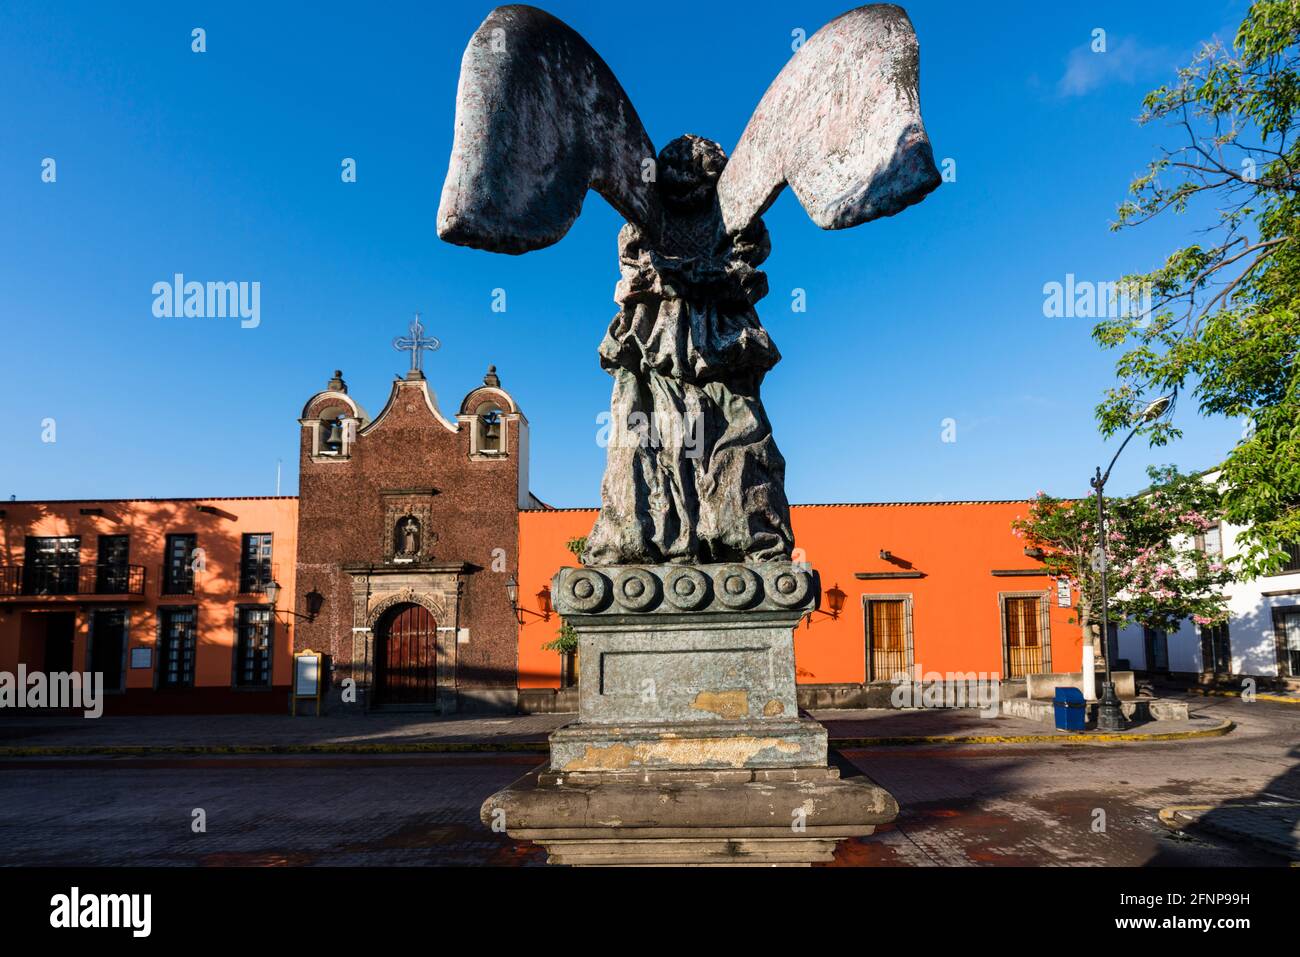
pixel 408 526
pixel 330 421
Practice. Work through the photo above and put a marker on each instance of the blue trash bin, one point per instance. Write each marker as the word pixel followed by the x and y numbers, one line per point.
pixel 1071 710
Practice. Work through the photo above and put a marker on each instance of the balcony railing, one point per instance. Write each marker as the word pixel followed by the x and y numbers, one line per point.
pixel 42 580
pixel 176 580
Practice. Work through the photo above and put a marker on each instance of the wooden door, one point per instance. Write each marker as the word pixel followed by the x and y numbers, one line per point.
pixel 887 638
pixel 405 657
pixel 1023 637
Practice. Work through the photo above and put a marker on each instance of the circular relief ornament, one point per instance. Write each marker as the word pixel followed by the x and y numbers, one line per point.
pixel 786 585
pixel 585 590
pixel 737 586
pixel 636 589
pixel 687 588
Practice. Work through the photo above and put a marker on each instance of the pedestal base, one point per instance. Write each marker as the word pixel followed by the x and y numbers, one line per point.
pixel 689 747
pixel 781 816
pixel 795 743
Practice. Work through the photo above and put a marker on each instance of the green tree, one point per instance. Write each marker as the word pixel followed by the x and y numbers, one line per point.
pixel 1224 322
pixel 1156 575
pixel 566 639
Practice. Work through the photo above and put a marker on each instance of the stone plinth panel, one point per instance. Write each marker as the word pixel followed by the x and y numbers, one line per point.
pixel 686 666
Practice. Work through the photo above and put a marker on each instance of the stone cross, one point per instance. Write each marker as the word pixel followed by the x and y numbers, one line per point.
pixel 416 343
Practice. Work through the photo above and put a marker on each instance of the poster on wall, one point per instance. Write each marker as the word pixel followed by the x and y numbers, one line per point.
pixel 307 675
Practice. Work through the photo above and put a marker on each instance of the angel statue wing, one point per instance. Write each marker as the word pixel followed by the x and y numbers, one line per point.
pixel 841 124
pixel 540 119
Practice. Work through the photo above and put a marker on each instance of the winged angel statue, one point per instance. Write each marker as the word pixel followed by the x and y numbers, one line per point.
pixel 540 119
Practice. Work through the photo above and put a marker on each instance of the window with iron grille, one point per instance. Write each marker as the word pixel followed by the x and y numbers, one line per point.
pixel 1286 626
pixel 176 641
pixel 1216 649
pixel 253 648
pixel 888 637
pixel 111 572
pixel 1024 638
pixel 51 565
pixel 255 563
pixel 178 572
pixel 1292 563
pixel 1210 541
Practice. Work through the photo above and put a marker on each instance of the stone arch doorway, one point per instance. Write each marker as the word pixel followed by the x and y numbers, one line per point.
pixel 406 641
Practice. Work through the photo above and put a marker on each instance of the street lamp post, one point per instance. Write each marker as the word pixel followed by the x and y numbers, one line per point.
pixel 1110 716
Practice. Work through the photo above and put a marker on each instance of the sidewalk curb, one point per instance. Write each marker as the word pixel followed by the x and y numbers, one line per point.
pixel 1168 816
pixel 540 747
pixel 1224 727
pixel 139 750
pixel 1219 693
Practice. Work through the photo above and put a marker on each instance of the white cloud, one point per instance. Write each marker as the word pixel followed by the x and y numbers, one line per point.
pixel 1122 62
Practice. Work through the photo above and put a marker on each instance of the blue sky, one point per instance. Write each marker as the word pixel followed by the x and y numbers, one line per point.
pixel 225 166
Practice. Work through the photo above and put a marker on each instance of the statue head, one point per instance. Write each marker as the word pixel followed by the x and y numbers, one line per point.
pixel 688 169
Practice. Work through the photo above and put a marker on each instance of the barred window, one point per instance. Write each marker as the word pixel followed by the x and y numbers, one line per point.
pixel 255 563
pixel 178 572
pixel 253 651
pixel 176 648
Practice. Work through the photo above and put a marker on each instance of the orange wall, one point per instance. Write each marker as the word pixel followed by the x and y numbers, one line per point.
pixel 956 612
pixel 148 522
pixel 541 553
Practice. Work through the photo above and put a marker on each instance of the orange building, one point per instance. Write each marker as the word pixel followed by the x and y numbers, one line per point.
pixel 933 587
pixel 166 597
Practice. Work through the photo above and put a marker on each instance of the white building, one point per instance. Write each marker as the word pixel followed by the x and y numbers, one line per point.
pixel 1261 638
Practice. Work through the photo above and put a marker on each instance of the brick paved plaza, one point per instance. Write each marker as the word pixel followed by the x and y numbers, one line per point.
pixel 961 805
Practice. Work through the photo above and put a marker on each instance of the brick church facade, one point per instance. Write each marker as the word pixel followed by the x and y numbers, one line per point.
pixel 408 528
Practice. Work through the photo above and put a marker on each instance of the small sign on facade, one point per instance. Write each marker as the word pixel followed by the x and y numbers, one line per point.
pixel 308 679
pixel 141 657
pixel 1063 592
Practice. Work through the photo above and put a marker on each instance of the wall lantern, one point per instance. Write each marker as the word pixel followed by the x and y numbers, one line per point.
pixel 314 601
pixel 543 598
pixel 835 600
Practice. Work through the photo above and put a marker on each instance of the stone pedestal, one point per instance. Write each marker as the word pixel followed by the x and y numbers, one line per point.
pixel 688 748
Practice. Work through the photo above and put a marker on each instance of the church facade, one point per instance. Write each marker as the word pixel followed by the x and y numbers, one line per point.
pixel 408 530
